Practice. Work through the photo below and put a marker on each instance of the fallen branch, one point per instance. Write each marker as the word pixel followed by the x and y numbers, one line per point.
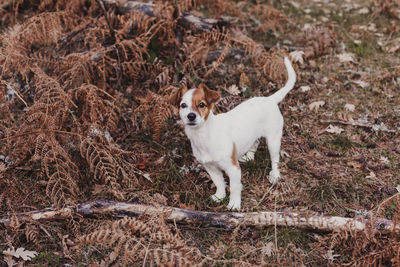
pixel 186 20
pixel 375 127
pixel 227 220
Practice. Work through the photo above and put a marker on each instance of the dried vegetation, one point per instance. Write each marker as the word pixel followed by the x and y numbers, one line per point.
pixel 88 95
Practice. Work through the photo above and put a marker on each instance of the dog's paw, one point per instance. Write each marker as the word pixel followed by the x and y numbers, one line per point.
pixel 217 197
pixel 249 156
pixel 234 205
pixel 274 176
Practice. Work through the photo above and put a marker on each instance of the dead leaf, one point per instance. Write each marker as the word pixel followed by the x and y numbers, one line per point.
pixel 346 57
pixel 297 56
pixel 393 46
pixel 334 129
pixel 159 161
pixel 349 107
pixel 26 255
pixel 316 105
pixel 384 160
pixel 233 90
pixel 244 81
pixel 147 176
pixel 305 88
pixel 330 256
pixel 361 83
pixel 295 4
pixel 372 27
pixel 398 188
pixel 284 154
pixel 371 175
pixel 268 249
pixel 363 11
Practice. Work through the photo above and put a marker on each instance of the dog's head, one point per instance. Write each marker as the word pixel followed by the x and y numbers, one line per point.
pixel 196 104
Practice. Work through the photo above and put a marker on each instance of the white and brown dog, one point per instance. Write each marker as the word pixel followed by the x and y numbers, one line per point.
pixel 218 141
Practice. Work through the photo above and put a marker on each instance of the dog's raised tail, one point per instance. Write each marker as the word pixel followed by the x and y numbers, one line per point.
pixel 280 95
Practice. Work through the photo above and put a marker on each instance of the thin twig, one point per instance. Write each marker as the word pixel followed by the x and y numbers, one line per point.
pixel 110 27
pixel 20 97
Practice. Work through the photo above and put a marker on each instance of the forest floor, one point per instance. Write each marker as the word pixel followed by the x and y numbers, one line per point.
pixel 86 116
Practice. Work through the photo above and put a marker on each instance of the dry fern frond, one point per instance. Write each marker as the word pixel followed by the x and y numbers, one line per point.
pixel 165 31
pixel 24 43
pixel 137 241
pixel 197 48
pixel 50 100
pixel 274 68
pixel 253 49
pixel 79 68
pixel 227 103
pixel 197 51
pixel 134 24
pixel 216 64
pixel 390 7
pixel 58 167
pixel 43 60
pixel 273 18
pixel 271 63
pixel 318 41
pixel 164 77
pixel 157 109
pixel 187 5
pixel 82 8
pixel 101 161
pixel 46 28
pixel 216 36
pixel 97 107
pixel 32 233
pixel 14 57
pixel 107 162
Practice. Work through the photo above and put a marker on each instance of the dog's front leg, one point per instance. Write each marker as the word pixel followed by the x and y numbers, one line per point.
pixel 234 172
pixel 218 178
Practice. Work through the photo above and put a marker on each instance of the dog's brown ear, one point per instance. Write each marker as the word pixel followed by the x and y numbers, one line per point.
pixel 177 95
pixel 210 95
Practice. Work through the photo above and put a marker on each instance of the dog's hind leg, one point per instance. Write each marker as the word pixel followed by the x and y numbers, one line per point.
pixel 249 156
pixel 218 178
pixel 274 146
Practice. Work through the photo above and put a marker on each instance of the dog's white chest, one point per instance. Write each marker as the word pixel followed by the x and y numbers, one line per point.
pixel 201 147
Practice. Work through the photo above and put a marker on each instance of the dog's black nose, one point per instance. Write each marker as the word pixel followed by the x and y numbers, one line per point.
pixel 191 116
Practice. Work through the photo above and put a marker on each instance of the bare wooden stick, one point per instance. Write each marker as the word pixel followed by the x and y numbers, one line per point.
pixel 227 220
pixel 187 20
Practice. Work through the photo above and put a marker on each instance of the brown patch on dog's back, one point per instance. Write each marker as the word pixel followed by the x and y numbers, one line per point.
pixel 208 97
pixel 233 156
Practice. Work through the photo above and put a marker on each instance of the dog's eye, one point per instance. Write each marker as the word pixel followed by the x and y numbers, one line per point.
pixel 183 105
pixel 202 105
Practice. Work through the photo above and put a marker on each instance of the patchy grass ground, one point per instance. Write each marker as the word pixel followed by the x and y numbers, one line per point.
pixel 347 172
